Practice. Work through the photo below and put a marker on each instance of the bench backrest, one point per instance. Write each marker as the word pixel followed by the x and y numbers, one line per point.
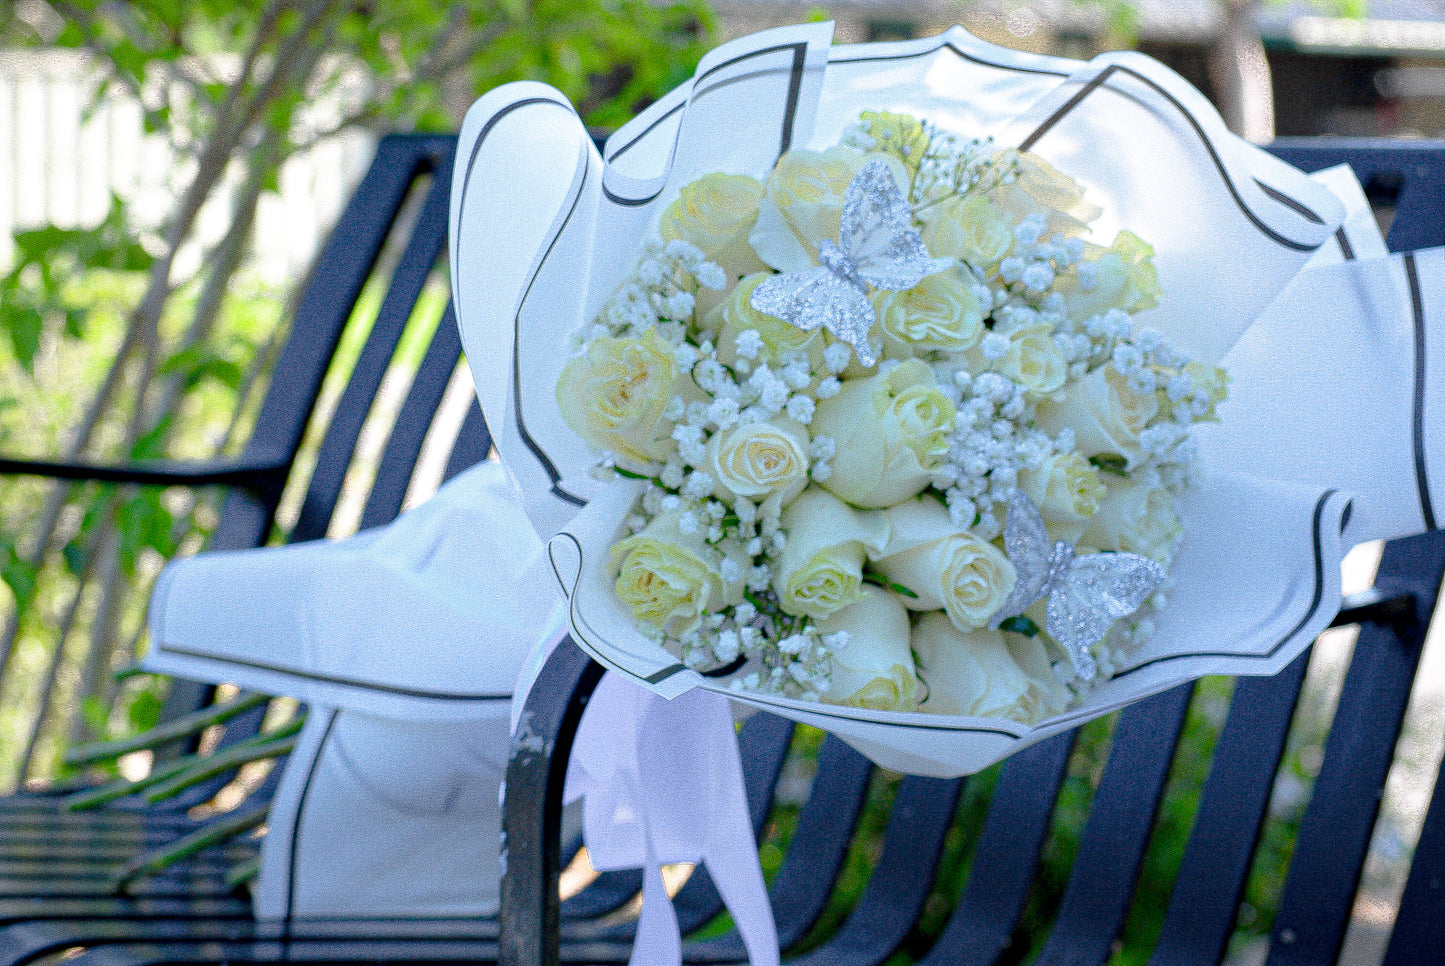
pixel 353 394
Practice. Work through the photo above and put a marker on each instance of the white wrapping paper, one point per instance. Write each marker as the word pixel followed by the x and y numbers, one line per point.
pixel 406 642
pixel 1232 228
pixel 1330 436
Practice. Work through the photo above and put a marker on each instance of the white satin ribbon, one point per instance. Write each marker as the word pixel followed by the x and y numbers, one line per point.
pixel 662 782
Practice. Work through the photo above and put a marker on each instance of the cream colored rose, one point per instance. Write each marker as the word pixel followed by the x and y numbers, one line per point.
pixel 820 569
pixel 1104 413
pixel 1123 277
pixel 1033 360
pixel 939 314
pixel 736 315
pixel 891 431
pixel 669 579
pixel 901 135
pixel 948 568
pixel 1047 695
pixel 1211 382
pixel 614 397
pixel 970 228
pixel 1067 491
pixel 875 668
pixel 766 462
pixel 1136 518
pixel 968 672
pixel 804 203
pixel 716 213
pixel 1043 189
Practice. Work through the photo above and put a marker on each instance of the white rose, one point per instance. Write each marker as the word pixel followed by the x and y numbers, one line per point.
pixel 669 579
pixel 820 568
pixel 1067 491
pixel 948 568
pixel 985 673
pixel 716 213
pixel 804 203
pixel 1047 695
pixel 614 395
pixel 968 672
pixel 875 668
pixel 1104 413
pixel 890 430
pixel 1136 518
pixel 1033 360
pixel 940 313
pixel 1123 278
pixel 970 228
pixel 1040 188
pixel 1210 382
pixel 766 462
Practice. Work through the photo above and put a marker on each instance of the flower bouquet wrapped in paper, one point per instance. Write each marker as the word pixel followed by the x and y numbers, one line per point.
pixel 938 395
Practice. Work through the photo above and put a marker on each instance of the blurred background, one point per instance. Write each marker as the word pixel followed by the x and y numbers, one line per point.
pixel 169 170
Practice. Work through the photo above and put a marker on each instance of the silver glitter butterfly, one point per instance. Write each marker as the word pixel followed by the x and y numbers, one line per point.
pixel 877 245
pixel 1087 593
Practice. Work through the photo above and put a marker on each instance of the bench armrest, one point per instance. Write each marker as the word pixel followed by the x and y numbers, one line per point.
pixel 263 476
pixel 530 910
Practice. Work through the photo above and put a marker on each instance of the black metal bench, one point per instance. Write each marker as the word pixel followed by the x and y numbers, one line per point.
pixel 58 868
pixel 951 883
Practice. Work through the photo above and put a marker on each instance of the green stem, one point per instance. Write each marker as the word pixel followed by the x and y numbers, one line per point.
pixel 243 872
pixel 186 767
pixel 181 727
pixel 232 757
pixel 887 584
pixel 225 827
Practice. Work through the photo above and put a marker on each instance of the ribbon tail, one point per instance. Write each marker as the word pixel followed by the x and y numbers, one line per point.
pixel 658 941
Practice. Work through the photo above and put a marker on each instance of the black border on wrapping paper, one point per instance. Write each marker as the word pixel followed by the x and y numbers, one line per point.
pixel 587 636
pixel 519 423
pixel 1315 602
pixel 580 623
pixel 356 683
pixel 790 111
pixel 1417 313
pixel 1099 82
pixel 295 849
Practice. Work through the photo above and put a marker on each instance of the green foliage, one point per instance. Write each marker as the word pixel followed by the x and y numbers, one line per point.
pixel 132 339
pixel 39 297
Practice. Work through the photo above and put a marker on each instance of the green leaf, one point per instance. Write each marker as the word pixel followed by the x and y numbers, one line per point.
pixel 1020 624
pixel 885 583
pixel 25 326
pixel 19 576
pixel 144 711
pixel 1110 463
pixel 75 322
pixel 75 556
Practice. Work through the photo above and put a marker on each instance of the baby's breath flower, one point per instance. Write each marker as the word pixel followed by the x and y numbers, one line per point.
pixel 837 356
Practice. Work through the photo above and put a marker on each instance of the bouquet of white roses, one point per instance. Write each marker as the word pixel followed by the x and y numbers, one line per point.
pixel 877 386
pixel 901 444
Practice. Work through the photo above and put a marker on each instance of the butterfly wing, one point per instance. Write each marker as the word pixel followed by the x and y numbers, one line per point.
pixel 1097 590
pixel 877 232
pixel 818 296
pixel 1028 545
pixel 800 298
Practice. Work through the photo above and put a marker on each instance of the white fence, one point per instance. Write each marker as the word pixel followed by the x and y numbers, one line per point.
pixel 61 158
